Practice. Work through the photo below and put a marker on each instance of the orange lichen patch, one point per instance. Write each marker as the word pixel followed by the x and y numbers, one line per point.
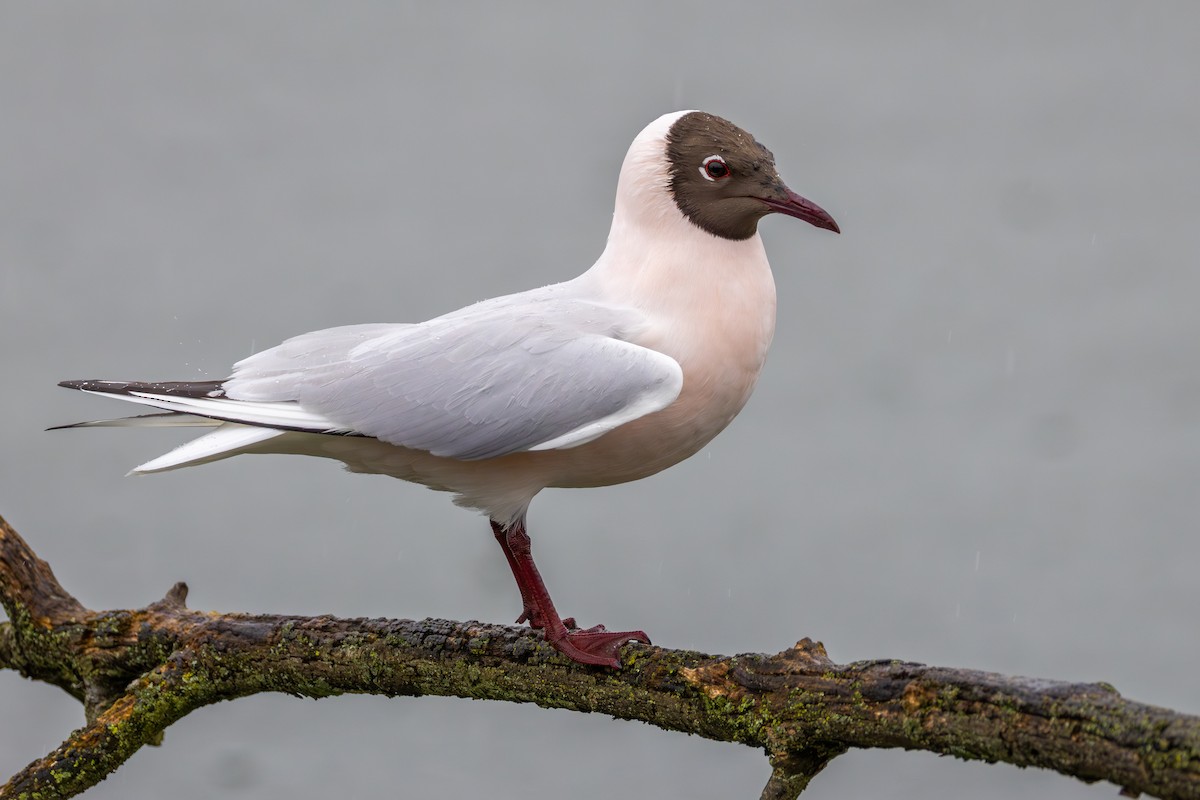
pixel 917 697
pixel 712 679
pixel 807 650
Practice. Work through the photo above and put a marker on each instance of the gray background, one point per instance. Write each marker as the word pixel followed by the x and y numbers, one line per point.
pixel 977 442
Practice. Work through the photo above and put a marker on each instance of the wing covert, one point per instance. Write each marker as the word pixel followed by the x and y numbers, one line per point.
pixel 471 385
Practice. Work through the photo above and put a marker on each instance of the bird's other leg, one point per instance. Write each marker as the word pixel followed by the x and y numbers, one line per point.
pixel 529 611
pixel 591 646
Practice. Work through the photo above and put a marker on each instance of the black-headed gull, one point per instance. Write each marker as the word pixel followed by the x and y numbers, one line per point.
pixel 609 377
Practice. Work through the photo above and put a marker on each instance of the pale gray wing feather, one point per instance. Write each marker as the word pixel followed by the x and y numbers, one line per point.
pixel 499 377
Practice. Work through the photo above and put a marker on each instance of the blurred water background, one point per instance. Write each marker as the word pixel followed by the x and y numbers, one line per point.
pixel 977 442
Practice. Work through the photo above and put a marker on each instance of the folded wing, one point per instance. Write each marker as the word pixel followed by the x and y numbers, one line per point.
pixel 503 376
pixel 478 384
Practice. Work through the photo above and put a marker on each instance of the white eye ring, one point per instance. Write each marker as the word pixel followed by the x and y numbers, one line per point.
pixel 704 168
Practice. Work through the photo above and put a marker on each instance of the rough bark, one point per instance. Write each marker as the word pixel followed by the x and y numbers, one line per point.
pixel 138 671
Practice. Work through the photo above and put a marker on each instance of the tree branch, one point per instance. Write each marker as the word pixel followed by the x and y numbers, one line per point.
pixel 138 671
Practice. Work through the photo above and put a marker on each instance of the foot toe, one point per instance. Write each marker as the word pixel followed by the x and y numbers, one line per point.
pixel 596 645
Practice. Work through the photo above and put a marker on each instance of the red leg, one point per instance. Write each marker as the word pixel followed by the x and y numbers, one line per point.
pixel 592 646
pixel 529 610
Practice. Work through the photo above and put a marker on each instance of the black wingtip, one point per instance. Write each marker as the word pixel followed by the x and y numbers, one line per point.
pixel 170 388
pixel 97 385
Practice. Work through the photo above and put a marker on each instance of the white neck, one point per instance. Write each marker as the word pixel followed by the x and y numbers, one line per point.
pixel 681 276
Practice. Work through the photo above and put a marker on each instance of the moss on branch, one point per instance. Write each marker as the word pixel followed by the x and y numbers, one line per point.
pixel 138 671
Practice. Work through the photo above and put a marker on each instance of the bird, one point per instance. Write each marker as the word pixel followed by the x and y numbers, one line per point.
pixel 611 376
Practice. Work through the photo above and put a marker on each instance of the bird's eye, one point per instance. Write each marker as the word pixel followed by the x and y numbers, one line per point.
pixel 713 168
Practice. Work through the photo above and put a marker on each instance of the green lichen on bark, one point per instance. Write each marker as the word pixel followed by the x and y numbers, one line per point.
pixel 141 670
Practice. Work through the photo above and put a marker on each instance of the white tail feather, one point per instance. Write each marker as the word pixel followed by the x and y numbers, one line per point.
pixel 168 419
pixel 221 443
pixel 283 414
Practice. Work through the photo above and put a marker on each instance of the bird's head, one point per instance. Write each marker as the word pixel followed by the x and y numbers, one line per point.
pixel 716 174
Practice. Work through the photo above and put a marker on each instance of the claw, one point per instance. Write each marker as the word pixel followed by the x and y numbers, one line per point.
pixel 595 645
